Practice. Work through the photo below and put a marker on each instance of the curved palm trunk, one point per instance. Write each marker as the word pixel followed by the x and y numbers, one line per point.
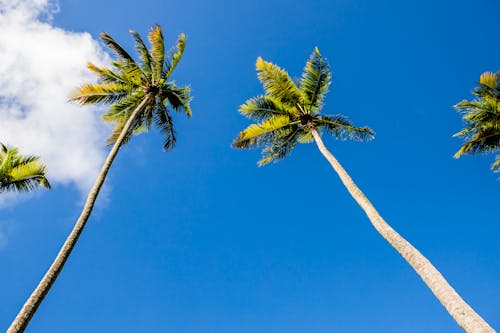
pixel 29 308
pixel 463 314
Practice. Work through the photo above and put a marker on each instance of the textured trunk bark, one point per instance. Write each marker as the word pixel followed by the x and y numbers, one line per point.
pixel 463 314
pixel 29 308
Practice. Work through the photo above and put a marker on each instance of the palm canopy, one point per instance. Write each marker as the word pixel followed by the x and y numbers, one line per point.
pixel 482 119
pixel 290 109
pixel 21 173
pixel 129 83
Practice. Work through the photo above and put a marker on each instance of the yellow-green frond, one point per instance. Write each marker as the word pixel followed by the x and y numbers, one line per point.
pixel 259 134
pixel 306 137
pixel 489 79
pixel 105 75
pixel 262 107
pixel 315 81
pixel 278 84
pixel 116 48
pixel 144 54
pixel 91 93
pixel 155 37
pixel 174 55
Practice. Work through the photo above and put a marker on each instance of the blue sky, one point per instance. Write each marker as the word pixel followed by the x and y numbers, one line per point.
pixel 202 240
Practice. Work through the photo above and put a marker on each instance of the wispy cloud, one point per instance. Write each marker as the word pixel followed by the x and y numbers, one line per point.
pixel 40 65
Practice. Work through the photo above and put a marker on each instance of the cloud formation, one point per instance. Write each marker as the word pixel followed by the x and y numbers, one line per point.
pixel 40 65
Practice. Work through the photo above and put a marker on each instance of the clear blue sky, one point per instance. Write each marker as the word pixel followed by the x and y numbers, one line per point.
pixel 202 240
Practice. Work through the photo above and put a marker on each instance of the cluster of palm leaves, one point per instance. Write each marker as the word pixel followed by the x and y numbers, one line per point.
pixel 21 173
pixel 289 111
pixel 482 119
pixel 140 94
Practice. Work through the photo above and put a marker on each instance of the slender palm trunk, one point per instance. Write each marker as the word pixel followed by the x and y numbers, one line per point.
pixel 29 308
pixel 463 314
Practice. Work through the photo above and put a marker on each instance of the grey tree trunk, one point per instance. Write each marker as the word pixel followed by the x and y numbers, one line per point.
pixel 463 314
pixel 29 308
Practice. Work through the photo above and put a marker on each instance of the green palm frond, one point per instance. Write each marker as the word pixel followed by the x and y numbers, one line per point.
pixel 264 133
pixel 315 81
pixel 490 80
pixel 281 145
pixel 119 51
pixel 178 98
pixel 164 122
pixel 263 107
pixel 155 37
pixel 93 93
pixel 341 128
pixel 144 54
pixel 278 84
pixel 20 173
pixel 106 75
pixel 174 55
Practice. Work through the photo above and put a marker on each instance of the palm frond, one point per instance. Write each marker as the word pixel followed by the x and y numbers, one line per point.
pixel 340 127
pixel 174 55
pixel 278 84
pixel 305 137
pixel 282 144
pixel 155 37
pixel 263 107
pixel 120 53
pixel 485 141
pixel 123 108
pixel 105 75
pixel 315 81
pixel 164 122
pixel 144 54
pixel 179 98
pixel 93 93
pixel 489 79
pixel 264 133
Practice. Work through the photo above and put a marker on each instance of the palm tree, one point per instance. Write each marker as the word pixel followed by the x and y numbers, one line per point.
pixel 482 119
pixel 289 112
pixel 20 173
pixel 139 94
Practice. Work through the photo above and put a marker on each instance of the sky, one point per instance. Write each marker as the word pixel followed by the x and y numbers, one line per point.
pixel 201 239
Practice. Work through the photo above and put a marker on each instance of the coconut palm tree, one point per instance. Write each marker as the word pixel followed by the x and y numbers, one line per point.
pixel 289 112
pixel 20 173
pixel 482 119
pixel 139 95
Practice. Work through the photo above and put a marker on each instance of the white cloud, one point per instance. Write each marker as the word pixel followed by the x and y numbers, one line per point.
pixel 40 65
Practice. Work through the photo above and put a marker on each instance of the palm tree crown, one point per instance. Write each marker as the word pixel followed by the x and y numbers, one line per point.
pixel 21 173
pixel 482 119
pixel 128 83
pixel 290 109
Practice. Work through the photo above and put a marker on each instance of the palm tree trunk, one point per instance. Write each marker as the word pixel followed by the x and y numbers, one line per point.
pixel 29 308
pixel 463 314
